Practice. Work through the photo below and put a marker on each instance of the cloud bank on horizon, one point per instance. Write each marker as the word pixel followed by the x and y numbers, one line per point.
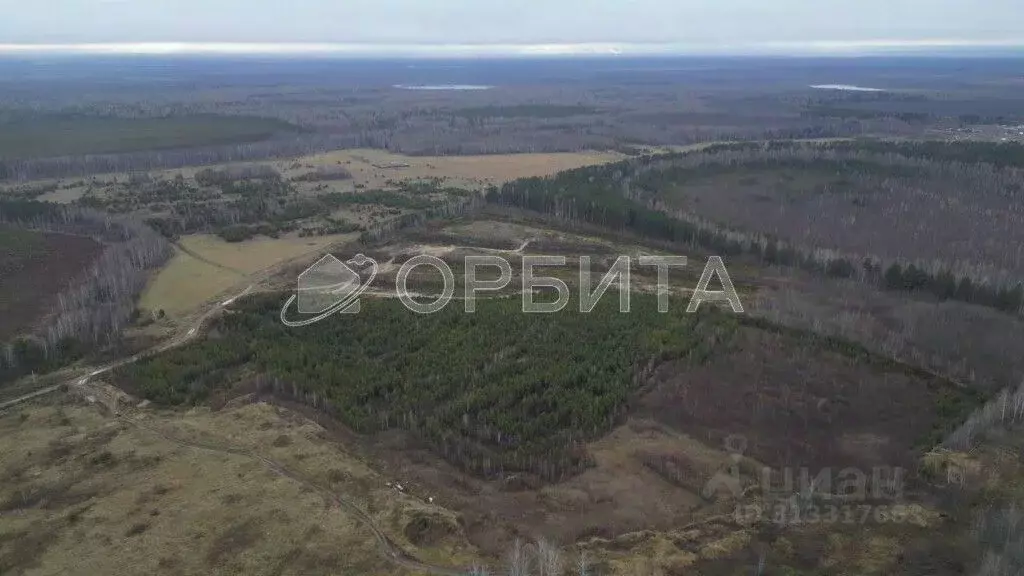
pixel 501 50
pixel 517 27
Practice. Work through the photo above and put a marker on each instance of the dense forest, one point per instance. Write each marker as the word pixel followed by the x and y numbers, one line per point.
pixel 493 392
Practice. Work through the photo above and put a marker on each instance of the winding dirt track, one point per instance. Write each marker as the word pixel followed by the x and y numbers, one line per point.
pixel 96 371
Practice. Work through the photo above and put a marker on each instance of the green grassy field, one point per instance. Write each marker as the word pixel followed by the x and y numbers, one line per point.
pixel 67 135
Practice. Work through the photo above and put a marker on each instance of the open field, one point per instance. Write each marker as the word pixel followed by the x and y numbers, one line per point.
pixel 84 493
pixel 86 490
pixel 374 168
pixel 185 284
pixel 256 255
pixel 204 267
pixel 34 268
pixel 349 191
pixel 619 495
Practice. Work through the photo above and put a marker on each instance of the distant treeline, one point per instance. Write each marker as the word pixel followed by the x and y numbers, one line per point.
pixel 141 161
pixel 916 108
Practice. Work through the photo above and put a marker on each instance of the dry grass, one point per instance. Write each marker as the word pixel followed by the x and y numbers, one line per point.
pixel 854 556
pixel 674 552
pixel 621 494
pixel 184 284
pixel 373 168
pixel 84 494
pixel 79 491
pixel 255 255
pixel 210 267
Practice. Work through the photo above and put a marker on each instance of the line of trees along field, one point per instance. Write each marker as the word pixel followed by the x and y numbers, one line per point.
pixel 494 392
pixel 94 309
pixel 143 161
pixel 631 196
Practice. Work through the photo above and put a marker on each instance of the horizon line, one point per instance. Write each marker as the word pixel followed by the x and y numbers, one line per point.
pixel 829 47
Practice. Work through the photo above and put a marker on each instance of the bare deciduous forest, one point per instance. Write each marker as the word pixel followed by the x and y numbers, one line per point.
pixel 95 304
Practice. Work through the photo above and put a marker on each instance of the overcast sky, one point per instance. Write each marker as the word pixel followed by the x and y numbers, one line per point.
pixel 720 23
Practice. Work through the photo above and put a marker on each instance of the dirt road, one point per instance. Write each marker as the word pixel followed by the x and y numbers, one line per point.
pixel 94 371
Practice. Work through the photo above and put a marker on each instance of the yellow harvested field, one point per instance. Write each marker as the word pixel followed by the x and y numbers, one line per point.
pixel 373 168
pixel 206 267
